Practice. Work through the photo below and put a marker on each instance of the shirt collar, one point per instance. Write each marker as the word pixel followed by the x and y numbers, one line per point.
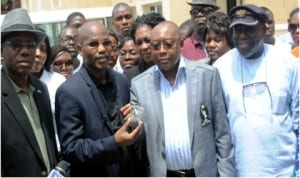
pixel 19 89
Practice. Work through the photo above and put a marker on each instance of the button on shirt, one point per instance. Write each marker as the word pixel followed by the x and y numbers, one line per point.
pixel 174 102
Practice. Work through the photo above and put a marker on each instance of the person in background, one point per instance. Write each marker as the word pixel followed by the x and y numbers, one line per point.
pixel 218 40
pixel 292 37
pixel 193 46
pixel 129 55
pixel 61 61
pixel 270 29
pixel 185 125
pixel 114 49
pixel 94 137
pixel 294 26
pixel 69 38
pixel 41 70
pixel 186 28
pixel 141 33
pixel 28 147
pixel 75 19
pixel 122 19
pixel 261 91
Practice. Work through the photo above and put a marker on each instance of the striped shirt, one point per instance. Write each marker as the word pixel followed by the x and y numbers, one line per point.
pixel 174 103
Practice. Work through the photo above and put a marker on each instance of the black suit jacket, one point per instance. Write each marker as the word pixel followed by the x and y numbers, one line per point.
pixel 85 132
pixel 20 153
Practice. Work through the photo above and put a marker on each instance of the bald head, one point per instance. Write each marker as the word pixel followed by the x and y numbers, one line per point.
pixel 167 29
pixel 91 28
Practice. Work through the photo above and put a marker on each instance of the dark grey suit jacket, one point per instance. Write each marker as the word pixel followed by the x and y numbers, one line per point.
pixel 20 152
pixel 85 132
pixel 212 149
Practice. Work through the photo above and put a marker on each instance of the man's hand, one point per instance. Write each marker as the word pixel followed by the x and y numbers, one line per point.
pixel 125 138
pixel 125 110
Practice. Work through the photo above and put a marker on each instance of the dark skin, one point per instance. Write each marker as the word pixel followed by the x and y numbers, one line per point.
pixel 122 18
pixel 199 19
pixel 249 40
pixel 166 45
pixel 95 48
pixel 18 62
pixel 68 38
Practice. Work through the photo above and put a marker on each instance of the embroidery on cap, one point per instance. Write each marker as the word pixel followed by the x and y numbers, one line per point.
pixel 241 13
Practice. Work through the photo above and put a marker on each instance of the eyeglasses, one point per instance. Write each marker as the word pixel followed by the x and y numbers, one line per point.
pixel 254 90
pixel 60 64
pixel 70 38
pixel 293 27
pixel 166 45
pixel 205 10
pixel 18 45
pixel 95 43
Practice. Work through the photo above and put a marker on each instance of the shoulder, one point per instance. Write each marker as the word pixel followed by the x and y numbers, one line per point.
pixel 144 75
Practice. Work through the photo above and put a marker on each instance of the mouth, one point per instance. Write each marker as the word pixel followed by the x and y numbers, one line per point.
pixel 200 21
pixel 125 29
pixel 25 62
pixel 211 53
pixel 163 60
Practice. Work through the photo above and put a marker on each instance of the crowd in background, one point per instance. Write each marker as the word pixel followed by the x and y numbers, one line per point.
pixel 219 95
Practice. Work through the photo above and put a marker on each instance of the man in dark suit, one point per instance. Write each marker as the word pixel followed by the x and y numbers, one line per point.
pixel 28 145
pixel 93 135
pixel 186 126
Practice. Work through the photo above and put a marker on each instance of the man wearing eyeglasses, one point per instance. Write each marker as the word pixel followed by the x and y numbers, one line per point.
pixel 261 90
pixel 292 36
pixel 69 38
pixel 193 47
pixel 28 147
pixel 185 123
pixel 94 137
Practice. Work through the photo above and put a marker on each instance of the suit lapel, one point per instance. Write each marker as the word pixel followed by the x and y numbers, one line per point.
pixel 192 88
pixel 45 120
pixel 156 101
pixel 97 98
pixel 12 101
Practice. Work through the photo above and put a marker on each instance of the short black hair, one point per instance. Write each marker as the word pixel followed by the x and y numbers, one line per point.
pixel 294 11
pixel 124 40
pixel 72 15
pixel 150 19
pixel 219 22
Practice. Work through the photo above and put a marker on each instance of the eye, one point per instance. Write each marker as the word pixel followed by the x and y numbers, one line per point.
pixel 128 17
pixel 93 44
pixel 106 43
pixel 155 46
pixel 133 52
pixel 169 44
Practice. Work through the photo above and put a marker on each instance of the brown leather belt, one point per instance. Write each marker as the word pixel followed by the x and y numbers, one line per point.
pixel 181 173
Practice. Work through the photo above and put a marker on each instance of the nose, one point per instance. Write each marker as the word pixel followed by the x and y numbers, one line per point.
pixel 101 48
pixel 37 52
pixel 124 21
pixel 211 44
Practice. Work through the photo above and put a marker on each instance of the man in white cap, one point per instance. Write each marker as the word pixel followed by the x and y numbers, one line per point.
pixel 28 147
pixel 261 90
pixel 193 47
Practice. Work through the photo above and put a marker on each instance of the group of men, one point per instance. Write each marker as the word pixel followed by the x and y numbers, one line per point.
pixel 239 117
